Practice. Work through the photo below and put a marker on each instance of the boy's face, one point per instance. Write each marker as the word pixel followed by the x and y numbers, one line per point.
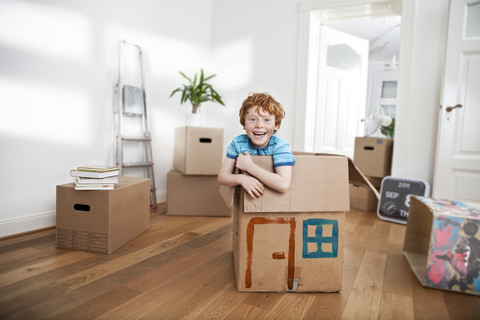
pixel 259 126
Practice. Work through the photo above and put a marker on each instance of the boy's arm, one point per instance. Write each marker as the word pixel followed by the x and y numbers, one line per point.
pixel 226 177
pixel 278 180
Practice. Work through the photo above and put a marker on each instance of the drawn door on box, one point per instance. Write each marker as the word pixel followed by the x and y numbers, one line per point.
pixel 270 253
pixel 457 169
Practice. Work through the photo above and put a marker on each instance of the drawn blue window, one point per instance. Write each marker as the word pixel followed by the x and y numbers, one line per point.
pixel 319 238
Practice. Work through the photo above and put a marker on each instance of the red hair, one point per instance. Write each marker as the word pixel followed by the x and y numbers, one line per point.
pixel 266 103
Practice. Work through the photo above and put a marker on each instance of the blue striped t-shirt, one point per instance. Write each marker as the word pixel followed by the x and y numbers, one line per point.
pixel 277 147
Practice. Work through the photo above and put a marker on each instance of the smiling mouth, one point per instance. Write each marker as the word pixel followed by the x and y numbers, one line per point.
pixel 259 134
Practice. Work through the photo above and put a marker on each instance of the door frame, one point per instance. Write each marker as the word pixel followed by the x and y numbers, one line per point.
pixel 312 13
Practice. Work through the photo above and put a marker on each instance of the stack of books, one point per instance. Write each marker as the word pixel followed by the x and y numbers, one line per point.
pixel 95 177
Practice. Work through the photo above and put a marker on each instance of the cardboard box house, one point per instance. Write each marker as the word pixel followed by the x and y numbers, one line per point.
pixel 194 195
pixel 198 150
pixel 442 244
pixel 373 155
pixel 102 220
pixel 293 241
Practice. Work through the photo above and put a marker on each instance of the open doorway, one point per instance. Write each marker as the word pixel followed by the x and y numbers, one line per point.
pixel 383 35
pixel 314 16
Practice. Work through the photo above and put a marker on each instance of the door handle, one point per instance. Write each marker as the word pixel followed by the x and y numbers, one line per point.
pixel 449 109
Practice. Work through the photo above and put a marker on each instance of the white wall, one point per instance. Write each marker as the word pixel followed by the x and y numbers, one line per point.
pixel 254 50
pixel 57 72
pixel 58 62
pixel 424 28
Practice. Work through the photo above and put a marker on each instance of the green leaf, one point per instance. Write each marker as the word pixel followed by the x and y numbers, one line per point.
pixel 195 80
pixel 210 77
pixel 175 91
pixel 202 77
pixel 185 76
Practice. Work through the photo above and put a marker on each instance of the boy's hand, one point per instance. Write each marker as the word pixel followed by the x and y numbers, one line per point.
pixel 244 161
pixel 252 186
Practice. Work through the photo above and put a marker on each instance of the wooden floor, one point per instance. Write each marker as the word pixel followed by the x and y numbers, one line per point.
pixel 182 268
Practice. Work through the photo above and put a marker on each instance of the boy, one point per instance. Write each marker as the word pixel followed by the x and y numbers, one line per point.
pixel 260 116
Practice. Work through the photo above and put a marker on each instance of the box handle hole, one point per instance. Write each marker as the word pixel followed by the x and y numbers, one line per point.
pixel 205 140
pixel 368 148
pixel 81 207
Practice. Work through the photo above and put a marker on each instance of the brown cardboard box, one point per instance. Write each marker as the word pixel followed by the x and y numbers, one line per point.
pixel 294 241
pixel 362 198
pixel 198 150
pixel 194 195
pixel 102 220
pixel 373 156
pixel 442 244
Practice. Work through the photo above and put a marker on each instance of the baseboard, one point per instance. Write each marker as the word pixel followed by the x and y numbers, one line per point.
pixel 42 220
pixel 27 224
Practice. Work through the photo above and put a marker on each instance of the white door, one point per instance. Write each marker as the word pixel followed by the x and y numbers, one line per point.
pixel 457 169
pixel 341 91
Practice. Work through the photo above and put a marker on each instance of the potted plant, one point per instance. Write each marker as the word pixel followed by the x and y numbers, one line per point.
pixel 197 91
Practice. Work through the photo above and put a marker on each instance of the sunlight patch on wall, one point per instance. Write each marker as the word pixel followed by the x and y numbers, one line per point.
pixel 44 30
pixel 159 53
pixel 37 111
pixel 236 61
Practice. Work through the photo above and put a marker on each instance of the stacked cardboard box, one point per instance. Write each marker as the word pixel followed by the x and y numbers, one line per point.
pixel 102 220
pixel 373 156
pixel 192 188
pixel 293 241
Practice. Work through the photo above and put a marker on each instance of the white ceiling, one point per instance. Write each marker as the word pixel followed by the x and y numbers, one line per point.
pixel 383 35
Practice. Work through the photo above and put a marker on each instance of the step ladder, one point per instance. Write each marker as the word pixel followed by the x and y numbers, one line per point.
pixel 133 142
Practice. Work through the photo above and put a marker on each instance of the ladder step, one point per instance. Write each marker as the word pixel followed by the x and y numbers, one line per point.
pixel 132 115
pixel 137 164
pixel 136 139
pixel 129 114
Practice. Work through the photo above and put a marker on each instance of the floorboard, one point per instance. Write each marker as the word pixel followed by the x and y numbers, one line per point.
pixel 182 268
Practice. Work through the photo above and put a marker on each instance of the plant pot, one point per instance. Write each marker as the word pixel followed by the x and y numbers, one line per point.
pixel 192 119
